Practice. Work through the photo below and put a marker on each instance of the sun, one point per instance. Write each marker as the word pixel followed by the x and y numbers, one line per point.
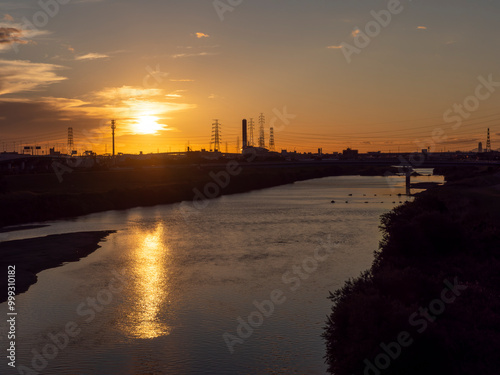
pixel 147 125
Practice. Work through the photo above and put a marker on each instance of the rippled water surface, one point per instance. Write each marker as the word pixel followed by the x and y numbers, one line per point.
pixel 159 295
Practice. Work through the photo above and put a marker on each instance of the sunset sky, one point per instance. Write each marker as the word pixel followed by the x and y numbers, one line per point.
pixel 166 69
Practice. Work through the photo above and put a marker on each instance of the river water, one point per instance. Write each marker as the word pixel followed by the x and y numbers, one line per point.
pixel 167 293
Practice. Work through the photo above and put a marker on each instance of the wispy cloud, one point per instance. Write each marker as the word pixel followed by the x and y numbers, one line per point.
pixel 91 112
pixel 20 76
pixel 92 56
pixel 178 55
pixel 422 27
pixel 202 35
pixel 355 33
pixel 12 33
pixel 8 17
pixel 128 103
pixel 182 80
pixel 175 95
pixel 69 48
pixel 334 47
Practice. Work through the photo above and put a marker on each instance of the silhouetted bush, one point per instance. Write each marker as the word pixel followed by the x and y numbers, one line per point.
pixel 444 234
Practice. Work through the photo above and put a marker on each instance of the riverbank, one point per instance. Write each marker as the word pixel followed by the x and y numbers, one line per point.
pixel 41 197
pixel 429 304
pixel 31 256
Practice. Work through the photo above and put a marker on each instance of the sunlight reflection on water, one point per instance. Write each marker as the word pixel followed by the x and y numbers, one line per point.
pixel 188 280
pixel 150 288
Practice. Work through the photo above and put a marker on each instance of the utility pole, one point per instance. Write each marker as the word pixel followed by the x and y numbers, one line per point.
pixel 71 145
pixel 250 133
pixel 113 128
pixel 271 139
pixel 262 121
pixel 216 136
pixel 488 142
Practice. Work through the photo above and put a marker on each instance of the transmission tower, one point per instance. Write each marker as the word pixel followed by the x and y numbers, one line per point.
pixel 271 139
pixel 216 135
pixel 262 121
pixel 488 142
pixel 250 133
pixel 113 128
pixel 71 145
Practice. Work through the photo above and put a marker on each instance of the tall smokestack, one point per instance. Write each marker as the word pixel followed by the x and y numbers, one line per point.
pixel 244 131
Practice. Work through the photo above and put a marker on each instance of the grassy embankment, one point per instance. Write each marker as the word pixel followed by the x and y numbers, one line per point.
pixel 39 197
pixel 448 233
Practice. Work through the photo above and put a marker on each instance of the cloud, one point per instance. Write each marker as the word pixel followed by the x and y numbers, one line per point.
pixel 69 48
pixel 8 17
pixel 182 80
pixel 89 115
pixel 176 56
pixel 175 95
pixel 40 116
pixel 13 33
pixel 202 35
pixel 334 47
pixel 92 56
pixel 422 27
pixel 128 103
pixel 355 32
pixel 20 76
pixel 9 36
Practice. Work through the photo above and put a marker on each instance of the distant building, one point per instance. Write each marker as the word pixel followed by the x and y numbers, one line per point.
pixel 53 152
pixel 255 151
pixel 350 154
pixel 480 147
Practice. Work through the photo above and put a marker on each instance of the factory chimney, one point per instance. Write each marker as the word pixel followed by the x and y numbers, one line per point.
pixel 244 131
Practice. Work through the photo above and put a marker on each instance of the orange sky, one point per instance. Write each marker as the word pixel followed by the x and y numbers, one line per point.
pixel 359 74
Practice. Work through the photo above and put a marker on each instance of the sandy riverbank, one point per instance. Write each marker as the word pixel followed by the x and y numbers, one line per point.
pixel 31 256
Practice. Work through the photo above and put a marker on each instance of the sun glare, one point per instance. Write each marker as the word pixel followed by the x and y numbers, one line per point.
pixel 147 125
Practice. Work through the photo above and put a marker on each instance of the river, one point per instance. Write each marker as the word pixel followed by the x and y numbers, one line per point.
pixel 167 293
